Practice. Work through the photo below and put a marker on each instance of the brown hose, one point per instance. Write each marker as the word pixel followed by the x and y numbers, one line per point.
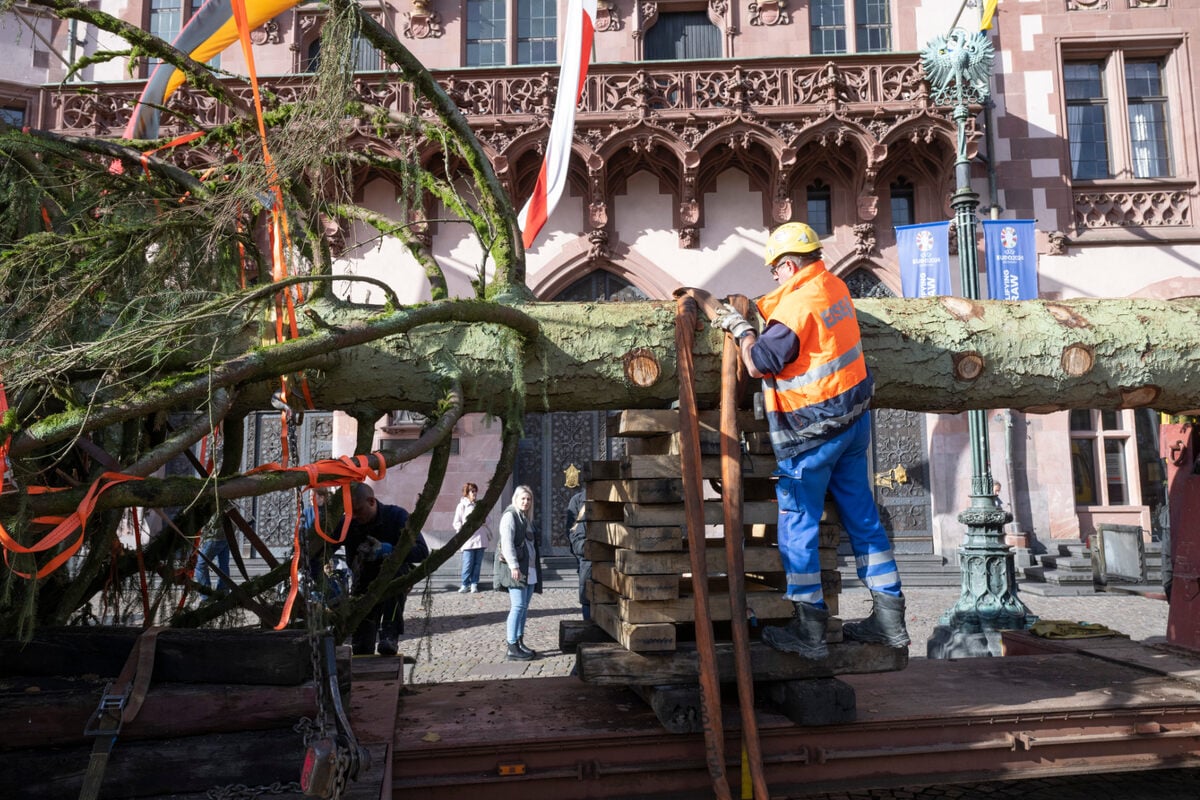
pixel 732 380
pixel 693 502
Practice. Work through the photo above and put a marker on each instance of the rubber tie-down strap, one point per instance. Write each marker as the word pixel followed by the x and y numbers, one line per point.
pixel 733 381
pixel 693 502
pixel 120 704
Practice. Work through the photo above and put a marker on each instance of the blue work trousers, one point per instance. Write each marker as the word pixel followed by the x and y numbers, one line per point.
pixel 839 466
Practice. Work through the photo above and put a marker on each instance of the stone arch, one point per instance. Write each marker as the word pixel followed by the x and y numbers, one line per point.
pixel 839 164
pixel 753 159
pixel 866 277
pixel 926 127
pixel 576 260
pixel 641 137
pixel 738 133
pixel 1170 289
pixel 640 152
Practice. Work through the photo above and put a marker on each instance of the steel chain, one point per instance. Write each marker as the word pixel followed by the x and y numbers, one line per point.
pixel 317 629
pixel 240 791
pixel 341 772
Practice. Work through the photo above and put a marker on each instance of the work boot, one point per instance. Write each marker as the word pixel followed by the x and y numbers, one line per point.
pixel 389 636
pixel 515 653
pixel 528 650
pixel 884 626
pixel 363 640
pixel 804 634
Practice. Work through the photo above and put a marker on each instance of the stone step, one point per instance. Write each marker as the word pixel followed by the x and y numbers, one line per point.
pixel 915 570
pixel 1067 563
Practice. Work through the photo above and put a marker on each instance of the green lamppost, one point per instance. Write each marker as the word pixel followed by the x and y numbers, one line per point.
pixel 958 67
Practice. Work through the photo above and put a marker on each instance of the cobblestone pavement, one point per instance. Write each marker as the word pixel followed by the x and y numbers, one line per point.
pixel 460 637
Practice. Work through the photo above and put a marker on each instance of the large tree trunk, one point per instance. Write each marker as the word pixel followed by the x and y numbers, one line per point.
pixel 940 354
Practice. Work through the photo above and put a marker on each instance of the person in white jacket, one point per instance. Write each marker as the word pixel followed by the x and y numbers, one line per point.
pixel 473 548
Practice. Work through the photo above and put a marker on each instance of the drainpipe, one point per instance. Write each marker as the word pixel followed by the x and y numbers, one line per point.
pixel 73 42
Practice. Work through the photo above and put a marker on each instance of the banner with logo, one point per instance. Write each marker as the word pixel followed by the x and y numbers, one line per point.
pixel 924 252
pixel 1011 249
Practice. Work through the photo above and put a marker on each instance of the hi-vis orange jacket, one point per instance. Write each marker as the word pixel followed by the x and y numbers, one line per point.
pixel 815 383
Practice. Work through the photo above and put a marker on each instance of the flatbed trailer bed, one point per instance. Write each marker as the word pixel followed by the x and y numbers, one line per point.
pixel 1090 706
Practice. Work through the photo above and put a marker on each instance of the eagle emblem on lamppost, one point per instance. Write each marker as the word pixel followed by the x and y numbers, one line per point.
pixel 958 66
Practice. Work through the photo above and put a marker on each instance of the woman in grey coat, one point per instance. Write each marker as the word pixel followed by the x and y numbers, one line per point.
pixel 518 569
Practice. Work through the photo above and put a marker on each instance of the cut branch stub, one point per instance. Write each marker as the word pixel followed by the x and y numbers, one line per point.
pixel 1139 396
pixel 1068 317
pixel 641 367
pixel 1078 359
pixel 968 366
pixel 962 308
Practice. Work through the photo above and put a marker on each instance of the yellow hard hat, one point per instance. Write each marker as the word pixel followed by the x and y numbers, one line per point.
pixel 791 237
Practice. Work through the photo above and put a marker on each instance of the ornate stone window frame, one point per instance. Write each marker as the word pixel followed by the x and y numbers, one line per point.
pixel 646 12
pixel 1124 208
pixel 310 17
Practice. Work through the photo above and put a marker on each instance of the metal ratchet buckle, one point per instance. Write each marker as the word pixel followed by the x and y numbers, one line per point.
pixel 106 719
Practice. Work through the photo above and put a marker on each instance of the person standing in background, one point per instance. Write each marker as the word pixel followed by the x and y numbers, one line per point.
pixel 375 528
pixel 474 547
pixel 517 569
pixel 577 536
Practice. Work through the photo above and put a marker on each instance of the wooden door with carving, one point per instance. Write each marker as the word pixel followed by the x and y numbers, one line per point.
pixel 899 458
pixel 555 441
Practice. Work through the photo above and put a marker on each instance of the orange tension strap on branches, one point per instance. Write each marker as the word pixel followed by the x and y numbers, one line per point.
pixel 344 471
pixel 64 527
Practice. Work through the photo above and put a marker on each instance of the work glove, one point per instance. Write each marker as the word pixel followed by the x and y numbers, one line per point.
pixel 729 319
pixel 373 549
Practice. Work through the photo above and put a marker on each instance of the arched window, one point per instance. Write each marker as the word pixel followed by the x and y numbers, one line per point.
pixel 819 205
pixel 862 283
pixel 903 199
pixel 601 285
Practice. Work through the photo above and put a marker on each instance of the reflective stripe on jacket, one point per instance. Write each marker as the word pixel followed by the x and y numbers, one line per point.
pixel 816 382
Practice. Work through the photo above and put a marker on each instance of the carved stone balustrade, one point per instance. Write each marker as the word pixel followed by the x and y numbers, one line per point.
pixel 869 90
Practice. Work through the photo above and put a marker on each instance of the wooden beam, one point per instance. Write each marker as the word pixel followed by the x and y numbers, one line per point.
pixel 615 665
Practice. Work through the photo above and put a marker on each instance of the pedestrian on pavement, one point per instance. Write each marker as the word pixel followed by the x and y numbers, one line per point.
pixel 517 569
pixel 817 392
pixel 214 552
pixel 474 547
pixel 577 536
pixel 375 530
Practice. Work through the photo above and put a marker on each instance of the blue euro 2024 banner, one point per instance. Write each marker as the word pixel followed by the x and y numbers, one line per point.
pixel 1011 249
pixel 924 252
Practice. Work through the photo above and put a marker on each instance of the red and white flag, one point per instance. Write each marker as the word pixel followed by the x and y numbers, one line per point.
pixel 577 49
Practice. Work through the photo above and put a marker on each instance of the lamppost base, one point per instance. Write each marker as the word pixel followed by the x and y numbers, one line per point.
pixel 988 603
pixel 950 642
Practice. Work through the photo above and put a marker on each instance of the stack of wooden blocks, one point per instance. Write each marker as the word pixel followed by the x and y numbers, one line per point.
pixel 642 588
